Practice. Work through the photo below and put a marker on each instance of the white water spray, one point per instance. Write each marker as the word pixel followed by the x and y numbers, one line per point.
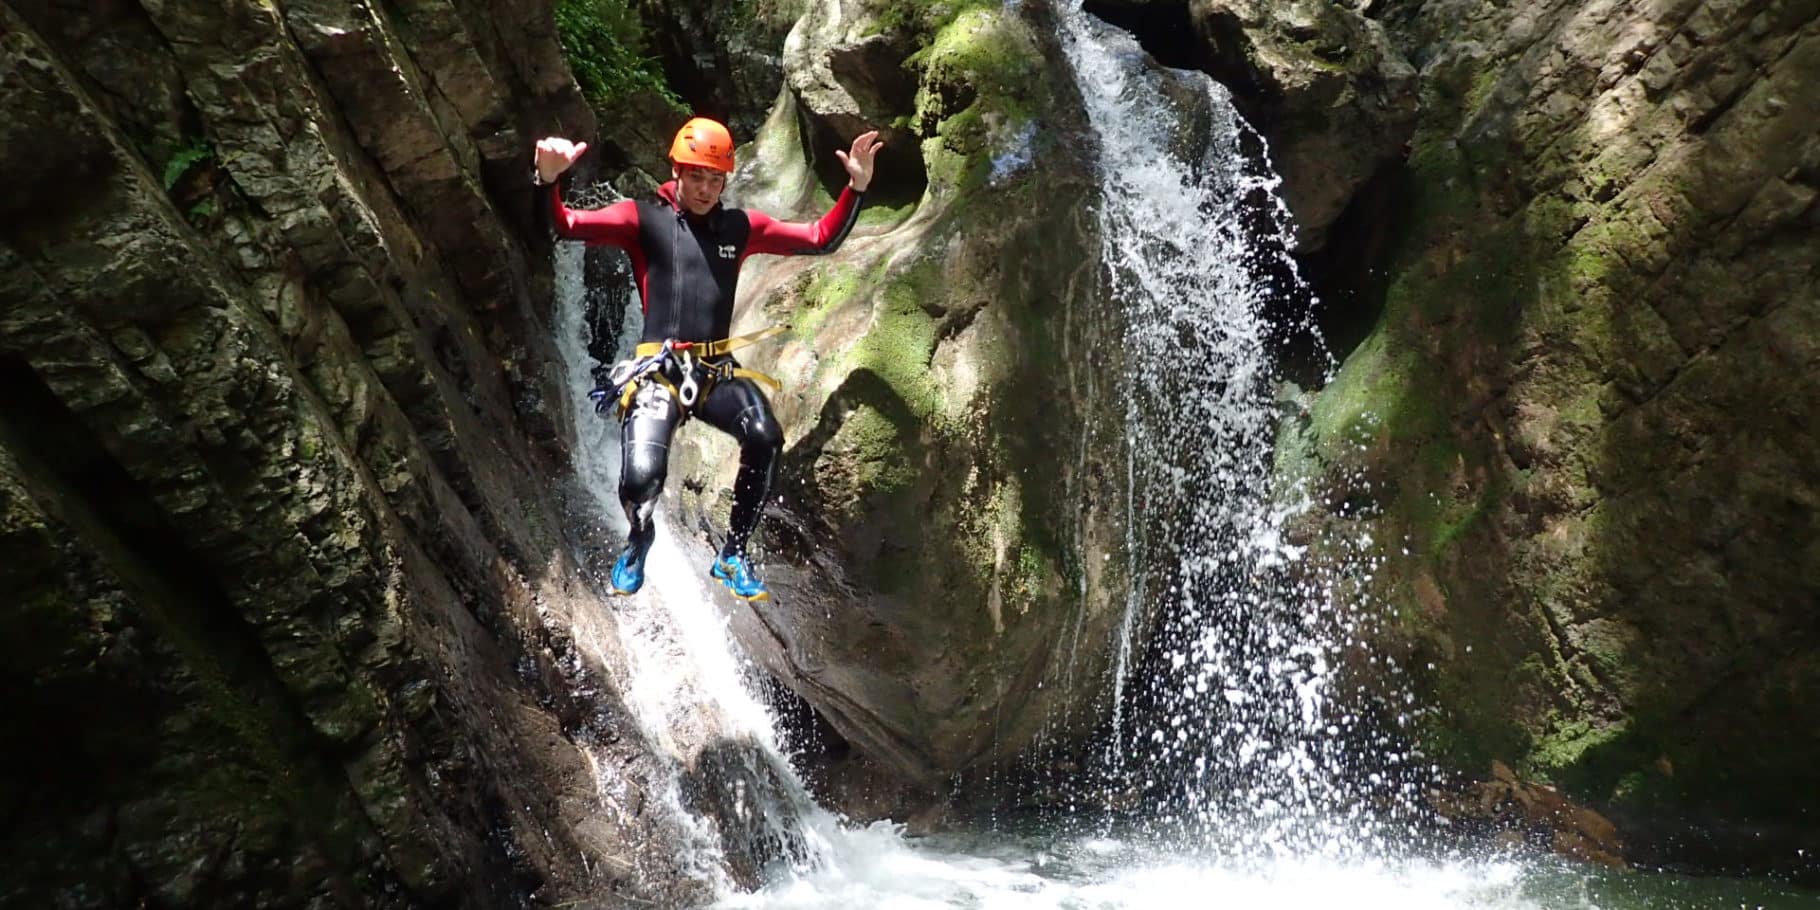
pixel 1237 729
pixel 1248 701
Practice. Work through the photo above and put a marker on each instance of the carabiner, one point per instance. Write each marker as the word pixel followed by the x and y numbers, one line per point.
pixel 622 373
pixel 687 390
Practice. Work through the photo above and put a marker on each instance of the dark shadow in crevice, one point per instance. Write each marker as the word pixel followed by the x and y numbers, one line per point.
pixel 813 743
pixel 1169 32
pixel 902 175
pixel 1350 276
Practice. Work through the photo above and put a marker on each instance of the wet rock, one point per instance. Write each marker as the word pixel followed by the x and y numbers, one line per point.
pixel 275 517
pixel 1586 406
pixel 846 75
pixel 1321 81
pixel 721 57
pixel 1515 812
pixel 930 550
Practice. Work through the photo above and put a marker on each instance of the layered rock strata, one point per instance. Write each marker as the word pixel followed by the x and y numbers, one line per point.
pixel 286 596
pixel 1581 429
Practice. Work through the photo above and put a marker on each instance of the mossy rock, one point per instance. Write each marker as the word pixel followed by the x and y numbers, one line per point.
pixel 926 409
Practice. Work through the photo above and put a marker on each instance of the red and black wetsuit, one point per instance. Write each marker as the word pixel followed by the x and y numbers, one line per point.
pixel 686 265
pixel 687 270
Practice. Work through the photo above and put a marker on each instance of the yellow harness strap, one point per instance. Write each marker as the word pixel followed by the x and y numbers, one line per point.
pixel 756 376
pixel 715 348
pixel 625 397
pixel 708 349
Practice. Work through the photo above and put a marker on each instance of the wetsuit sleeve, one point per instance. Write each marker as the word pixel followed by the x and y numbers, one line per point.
pixel 615 225
pixel 811 238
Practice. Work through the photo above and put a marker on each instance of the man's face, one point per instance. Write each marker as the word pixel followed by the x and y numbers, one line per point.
pixel 698 187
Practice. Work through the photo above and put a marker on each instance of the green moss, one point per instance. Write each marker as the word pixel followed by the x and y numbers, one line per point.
pixel 886 215
pixel 1567 745
pixel 979 89
pixel 309 445
pixel 913 17
pixel 1484 82
pixel 877 445
pixel 1379 395
pixel 827 289
pixel 990 47
pixel 1036 574
pixel 947 167
pixel 1598 761
pixel 192 156
pixel 1452 521
pixel 901 342
pixel 604 42
pixel 1346 412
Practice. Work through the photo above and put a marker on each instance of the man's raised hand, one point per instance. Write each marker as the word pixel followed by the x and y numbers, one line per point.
pixel 555 155
pixel 859 160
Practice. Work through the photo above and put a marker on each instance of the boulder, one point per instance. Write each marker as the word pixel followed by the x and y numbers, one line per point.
pixel 287 599
pixel 939 551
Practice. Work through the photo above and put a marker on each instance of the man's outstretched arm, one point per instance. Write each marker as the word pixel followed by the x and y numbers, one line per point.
pixel 825 234
pixel 804 238
pixel 615 225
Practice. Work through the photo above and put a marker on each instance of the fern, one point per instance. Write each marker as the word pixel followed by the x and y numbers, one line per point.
pixel 603 41
pixel 184 160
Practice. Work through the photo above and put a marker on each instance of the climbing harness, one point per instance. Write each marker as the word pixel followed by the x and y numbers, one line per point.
pixel 695 361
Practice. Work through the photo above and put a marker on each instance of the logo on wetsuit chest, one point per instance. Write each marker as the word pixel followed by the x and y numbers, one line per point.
pixel 728 251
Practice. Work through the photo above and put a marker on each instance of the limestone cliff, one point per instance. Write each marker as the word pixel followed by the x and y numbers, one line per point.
pixel 284 569
pixel 1581 426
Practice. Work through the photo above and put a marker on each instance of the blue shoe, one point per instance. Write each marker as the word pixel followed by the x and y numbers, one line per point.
pixel 628 573
pixel 737 576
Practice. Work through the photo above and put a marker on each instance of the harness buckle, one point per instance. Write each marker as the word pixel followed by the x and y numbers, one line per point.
pixel 688 389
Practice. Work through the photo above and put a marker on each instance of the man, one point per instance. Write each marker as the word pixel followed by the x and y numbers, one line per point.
pixel 686 251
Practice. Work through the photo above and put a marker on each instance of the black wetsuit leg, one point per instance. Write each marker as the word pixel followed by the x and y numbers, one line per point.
pixel 644 451
pixel 736 406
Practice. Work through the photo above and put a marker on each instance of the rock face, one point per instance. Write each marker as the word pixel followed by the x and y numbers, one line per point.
pixel 284 601
pixel 940 500
pixel 721 56
pixel 1582 427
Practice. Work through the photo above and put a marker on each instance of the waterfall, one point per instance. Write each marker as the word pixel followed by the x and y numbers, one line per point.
pixel 1227 714
pixel 1227 709
pixel 1230 719
pixel 734 799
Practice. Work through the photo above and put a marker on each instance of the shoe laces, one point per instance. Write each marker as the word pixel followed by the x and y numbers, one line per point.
pixel 737 567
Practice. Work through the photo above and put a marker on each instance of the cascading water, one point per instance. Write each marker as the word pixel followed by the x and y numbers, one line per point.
pixel 1228 711
pixel 1233 719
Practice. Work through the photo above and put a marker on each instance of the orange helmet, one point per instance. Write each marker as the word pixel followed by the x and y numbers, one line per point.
pixel 703 142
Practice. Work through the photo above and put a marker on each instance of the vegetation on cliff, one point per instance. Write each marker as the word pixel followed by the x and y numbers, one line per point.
pixel 604 43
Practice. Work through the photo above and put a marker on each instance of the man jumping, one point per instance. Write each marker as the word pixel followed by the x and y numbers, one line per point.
pixel 686 251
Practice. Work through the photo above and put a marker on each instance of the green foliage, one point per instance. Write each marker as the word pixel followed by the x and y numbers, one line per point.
pixel 185 160
pixel 604 43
